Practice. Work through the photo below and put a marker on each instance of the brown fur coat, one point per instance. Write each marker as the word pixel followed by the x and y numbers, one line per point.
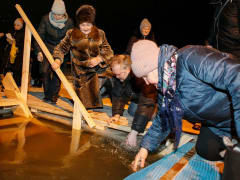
pixel 82 49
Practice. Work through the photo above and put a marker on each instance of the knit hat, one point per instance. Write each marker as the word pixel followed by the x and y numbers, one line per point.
pixel 144 57
pixel 58 7
pixel 85 13
pixel 145 23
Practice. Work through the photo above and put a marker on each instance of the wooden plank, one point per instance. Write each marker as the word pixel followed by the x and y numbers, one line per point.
pixel 26 62
pixel 49 109
pixel 8 102
pixel 11 121
pixel 77 117
pixel 65 105
pixel 60 74
pixel 55 118
pixel 102 116
pixel 173 172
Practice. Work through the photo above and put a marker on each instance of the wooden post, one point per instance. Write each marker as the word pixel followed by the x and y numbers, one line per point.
pixel 60 74
pixel 77 117
pixel 26 62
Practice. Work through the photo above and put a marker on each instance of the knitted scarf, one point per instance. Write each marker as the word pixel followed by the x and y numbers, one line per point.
pixel 58 23
pixel 171 112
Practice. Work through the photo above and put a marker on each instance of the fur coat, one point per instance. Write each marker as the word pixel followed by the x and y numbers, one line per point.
pixel 82 49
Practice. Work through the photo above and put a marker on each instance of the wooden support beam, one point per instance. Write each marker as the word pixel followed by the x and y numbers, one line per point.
pixel 11 91
pixel 26 62
pixel 77 117
pixel 8 102
pixel 60 74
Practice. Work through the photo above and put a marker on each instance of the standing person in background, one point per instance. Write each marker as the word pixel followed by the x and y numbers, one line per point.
pixel 127 88
pixel 13 52
pixel 225 32
pixel 90 56
pixel 52 30
pixel 143 32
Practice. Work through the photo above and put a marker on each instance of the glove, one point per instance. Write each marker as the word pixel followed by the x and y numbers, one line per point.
pixel 40 57
pixel 132 138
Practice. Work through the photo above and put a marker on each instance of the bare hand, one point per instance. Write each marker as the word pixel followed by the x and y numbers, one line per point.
pixel 1 35
pixel 56 64
pixel 40 57
pixel 140 159
pixel 115 118
pixel 95 61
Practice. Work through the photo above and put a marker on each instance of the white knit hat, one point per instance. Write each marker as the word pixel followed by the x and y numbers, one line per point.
pixel 58 7
pixel 144 56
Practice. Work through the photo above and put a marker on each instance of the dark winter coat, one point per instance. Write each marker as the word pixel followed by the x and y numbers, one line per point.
pixel 51 35
pixel 226 29
pixel 82 49
pixel 131 90
pixel 16 67
pixel 208 86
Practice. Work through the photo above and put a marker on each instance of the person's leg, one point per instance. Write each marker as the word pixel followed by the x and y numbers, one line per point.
pixel 209 145
pixel 54 87
pixel 46 72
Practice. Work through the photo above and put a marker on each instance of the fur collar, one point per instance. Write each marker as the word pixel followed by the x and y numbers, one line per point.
pixel 78 35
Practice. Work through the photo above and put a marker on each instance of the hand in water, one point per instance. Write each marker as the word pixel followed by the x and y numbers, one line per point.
pixel 140 159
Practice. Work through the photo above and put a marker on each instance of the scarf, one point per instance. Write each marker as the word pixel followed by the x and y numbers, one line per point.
pixel 171 112
pixel 58 23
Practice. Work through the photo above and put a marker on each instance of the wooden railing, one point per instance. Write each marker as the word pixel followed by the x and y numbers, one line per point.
pixel 79 109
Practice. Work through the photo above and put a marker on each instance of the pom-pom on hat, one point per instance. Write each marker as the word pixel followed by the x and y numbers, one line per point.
pixel 85 13
pixel 58 7
pixel 144 57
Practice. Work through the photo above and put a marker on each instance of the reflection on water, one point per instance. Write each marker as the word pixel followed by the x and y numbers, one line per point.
pixel 34 151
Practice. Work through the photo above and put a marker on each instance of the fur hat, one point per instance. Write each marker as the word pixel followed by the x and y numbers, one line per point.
pixel 144 57
pixel 58 7
pixel 85 13
pixel 145 23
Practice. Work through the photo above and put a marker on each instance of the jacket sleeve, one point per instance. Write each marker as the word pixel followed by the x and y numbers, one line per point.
pixel 220 71
pixel 118 99
pixel 106 51
pixel 156 133
pixel 63 47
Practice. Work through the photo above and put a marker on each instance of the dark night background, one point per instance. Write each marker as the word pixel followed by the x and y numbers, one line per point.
pixel 173 21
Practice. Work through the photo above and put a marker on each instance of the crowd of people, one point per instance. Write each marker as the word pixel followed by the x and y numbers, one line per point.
pixel 197 83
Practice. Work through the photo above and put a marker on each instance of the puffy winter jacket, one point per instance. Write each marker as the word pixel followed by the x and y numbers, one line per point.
pixel 208 86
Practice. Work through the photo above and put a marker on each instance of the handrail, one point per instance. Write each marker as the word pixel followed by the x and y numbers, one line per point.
pixel 67 85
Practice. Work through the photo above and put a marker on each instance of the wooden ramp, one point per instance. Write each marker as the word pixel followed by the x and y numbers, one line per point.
pixel 179 165
pixel 62 112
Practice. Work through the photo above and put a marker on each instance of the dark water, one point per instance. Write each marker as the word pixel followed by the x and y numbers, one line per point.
pixel 31 151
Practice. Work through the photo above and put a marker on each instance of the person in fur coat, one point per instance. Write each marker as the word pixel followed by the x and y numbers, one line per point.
pixel 90 56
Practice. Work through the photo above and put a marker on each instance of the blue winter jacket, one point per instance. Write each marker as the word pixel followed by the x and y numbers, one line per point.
pixel 208 86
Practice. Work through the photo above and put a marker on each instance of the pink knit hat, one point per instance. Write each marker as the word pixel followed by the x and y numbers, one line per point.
pixel 144 56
